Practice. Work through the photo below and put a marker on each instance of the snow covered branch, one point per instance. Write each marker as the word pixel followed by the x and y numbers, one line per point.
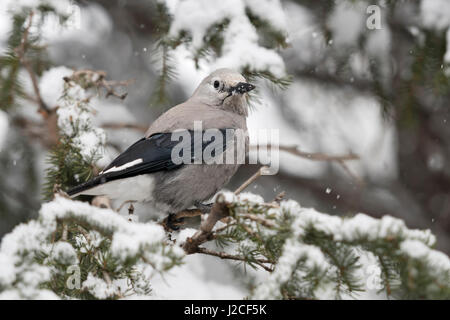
pixel 315 255
pixel 74 250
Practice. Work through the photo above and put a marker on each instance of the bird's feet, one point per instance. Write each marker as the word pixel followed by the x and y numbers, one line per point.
pixel 204 208
pixel 172 223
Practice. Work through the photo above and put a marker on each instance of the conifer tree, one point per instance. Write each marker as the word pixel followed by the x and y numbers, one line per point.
pixel 74 249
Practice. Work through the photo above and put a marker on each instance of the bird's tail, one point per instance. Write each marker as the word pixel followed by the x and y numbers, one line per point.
pixel 82 188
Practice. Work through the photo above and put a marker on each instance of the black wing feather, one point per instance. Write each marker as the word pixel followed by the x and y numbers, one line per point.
pixel 155 152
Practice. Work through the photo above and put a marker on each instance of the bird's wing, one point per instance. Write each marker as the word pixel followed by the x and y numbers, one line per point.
pixel 184 116
pixel 147 155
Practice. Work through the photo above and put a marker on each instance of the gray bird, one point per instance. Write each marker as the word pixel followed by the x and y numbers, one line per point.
pixel 146 172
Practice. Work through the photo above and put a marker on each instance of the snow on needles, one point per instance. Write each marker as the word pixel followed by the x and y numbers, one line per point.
pixel 51 84
pixel 240 38
pixel 21 276
pixel 128 239
pixel 414 244
pixel 74 113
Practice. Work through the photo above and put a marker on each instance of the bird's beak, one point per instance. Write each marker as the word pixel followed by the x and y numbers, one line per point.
pixel 242 87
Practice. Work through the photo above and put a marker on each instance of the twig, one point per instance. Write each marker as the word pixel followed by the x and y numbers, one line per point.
pixel 312 155
pixel 279 197
pixel 226 226
pixel 96 78
pixel 84 232
pixel 20 51
pixel 123 204
pixel 224 255
pixel 253 217
pixel 344 166
pixel 250 180
pixel 218 211
pixel 250 232
pixel 124 126
pixel 318 156
pixel 106 277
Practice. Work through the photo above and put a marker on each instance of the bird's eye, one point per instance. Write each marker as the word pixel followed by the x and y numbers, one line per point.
pixel 216 84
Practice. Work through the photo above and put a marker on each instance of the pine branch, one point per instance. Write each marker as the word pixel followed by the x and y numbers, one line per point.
pixel 96 79
pixel 21 52
pixel 279 82
pixel 167 72
pixel 224 255
pixel 317 156
pixel 218 212
pixel 271 37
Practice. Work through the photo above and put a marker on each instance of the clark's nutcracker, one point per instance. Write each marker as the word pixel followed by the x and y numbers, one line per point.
pixel 147 172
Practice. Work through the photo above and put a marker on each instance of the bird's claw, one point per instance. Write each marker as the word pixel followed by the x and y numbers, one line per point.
pixel 171 223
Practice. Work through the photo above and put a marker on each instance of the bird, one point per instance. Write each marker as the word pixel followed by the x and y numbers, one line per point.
pixel 147 172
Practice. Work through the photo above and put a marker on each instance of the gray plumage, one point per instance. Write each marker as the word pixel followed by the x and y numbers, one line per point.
pixel 219 102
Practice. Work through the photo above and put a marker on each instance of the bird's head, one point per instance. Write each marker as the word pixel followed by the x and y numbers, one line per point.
pixel 225 89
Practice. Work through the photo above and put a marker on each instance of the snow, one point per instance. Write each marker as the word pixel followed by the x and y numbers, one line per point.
pixel 100 289
pixel 438 261
pixel 183 234
pixel 435 13
pixel 250 198
pixel 130 239
pixel 346 22
pixel 110 111
pixel 205 13
pixel 303 32
pixel 26 238
pixel 414 243
pixel 5 25
pixel 240 48
pixel 16 5
pixel 91 142
pixel 36 294
pixel 447 54
pixel 74 113
pixel 51 85
pixel 79 109
pixel 270 11
pixel 20 271
pixel 64 253
pixel 329 123
pixel 292 252
pixel 84 245
pixel 197 278
pixel 7 270
pixel 4 124
pixel 353 229
pixel 86 24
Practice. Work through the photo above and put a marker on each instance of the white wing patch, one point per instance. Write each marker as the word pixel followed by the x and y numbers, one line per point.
pixel 138 188
pixel 124 166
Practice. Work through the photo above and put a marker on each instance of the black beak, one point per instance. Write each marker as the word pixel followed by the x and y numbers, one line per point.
pixel 242 87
